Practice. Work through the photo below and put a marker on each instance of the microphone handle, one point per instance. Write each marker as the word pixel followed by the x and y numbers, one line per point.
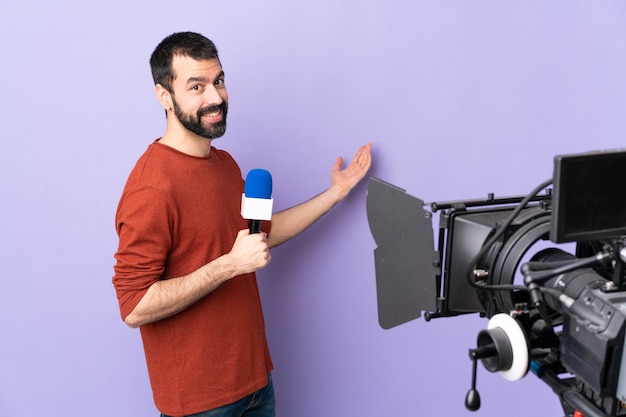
pixel 254 226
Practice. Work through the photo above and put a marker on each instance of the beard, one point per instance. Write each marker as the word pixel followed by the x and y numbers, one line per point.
pixel 194 124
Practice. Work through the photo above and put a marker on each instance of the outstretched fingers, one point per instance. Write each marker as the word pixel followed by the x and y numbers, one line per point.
pixel 347 178
pixel 363 157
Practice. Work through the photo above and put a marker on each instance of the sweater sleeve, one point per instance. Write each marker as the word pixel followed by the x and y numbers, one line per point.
pixel 143 224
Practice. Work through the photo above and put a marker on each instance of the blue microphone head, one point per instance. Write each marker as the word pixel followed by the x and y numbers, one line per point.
pixel 258 184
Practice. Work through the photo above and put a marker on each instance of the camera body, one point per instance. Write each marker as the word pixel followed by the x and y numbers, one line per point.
pixel 560 313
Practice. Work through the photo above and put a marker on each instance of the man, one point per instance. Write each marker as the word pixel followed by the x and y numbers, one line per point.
pixel 186 262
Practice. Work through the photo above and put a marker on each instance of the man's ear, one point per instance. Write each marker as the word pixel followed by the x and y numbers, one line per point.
pixel 164 96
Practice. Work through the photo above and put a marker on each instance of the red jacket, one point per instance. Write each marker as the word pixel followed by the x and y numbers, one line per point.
pixel 177 213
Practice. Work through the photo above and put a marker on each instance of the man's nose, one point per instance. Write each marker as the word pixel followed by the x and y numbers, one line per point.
pixel 214 95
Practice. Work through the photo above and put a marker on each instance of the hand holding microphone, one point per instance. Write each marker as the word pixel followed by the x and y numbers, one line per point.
pixel 250 251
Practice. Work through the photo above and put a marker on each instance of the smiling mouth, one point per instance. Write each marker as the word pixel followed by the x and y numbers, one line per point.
pixel 212 117
pixel 213 113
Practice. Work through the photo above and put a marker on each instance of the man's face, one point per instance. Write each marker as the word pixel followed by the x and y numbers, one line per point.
pixel 199 96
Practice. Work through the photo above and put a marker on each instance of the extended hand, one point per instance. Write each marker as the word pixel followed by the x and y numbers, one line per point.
pixel 346 179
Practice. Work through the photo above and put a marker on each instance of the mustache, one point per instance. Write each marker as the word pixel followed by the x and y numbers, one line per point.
pixel 212 109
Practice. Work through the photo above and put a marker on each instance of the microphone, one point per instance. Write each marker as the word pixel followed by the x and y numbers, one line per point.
pixel 256 200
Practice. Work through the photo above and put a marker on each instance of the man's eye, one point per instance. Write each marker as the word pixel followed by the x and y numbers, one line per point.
pixel 219 82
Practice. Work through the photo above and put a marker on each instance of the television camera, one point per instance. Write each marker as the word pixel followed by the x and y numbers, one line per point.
pixel 565 321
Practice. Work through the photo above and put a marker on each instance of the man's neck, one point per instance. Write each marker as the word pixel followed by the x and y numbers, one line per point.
pixel 186 142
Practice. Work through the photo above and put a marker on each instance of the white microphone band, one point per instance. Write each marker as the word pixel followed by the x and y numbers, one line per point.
pixel 256 208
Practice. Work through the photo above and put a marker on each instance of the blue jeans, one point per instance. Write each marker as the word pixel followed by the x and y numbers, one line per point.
pixel 258 404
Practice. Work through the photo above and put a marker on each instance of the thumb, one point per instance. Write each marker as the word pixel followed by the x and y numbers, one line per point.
pixel 338 164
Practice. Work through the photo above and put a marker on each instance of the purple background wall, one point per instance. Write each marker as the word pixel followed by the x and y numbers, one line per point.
pixel 460 98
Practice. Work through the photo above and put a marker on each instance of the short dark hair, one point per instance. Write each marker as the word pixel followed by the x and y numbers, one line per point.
pixel 189 44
